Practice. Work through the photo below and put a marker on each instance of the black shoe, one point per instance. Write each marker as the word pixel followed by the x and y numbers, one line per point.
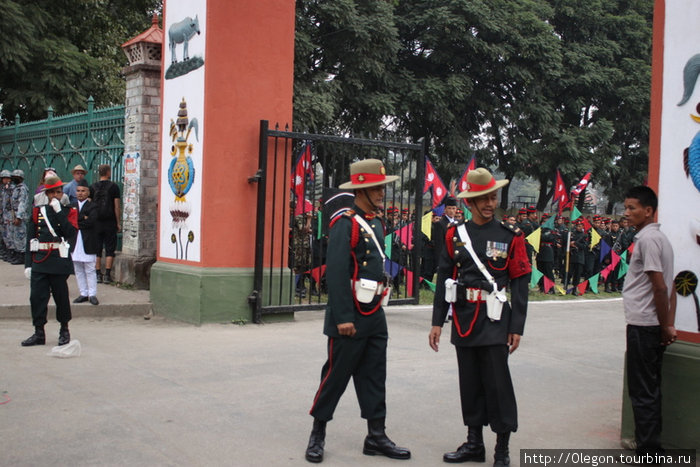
pixel 18 258
pixel 317 440
pixel 94 300
pixel 377 442
pixel 99 277
pixel 38 338
pixel 466 453
pixel 107 279
pixel 471 451
pixel 80 299
pixel 501 458
pixel 63 335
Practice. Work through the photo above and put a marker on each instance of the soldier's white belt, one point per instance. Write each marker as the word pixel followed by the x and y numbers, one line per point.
pixel 453 290
pixel 48 245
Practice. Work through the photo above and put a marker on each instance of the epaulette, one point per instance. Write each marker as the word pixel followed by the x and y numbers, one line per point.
pixel 349 213
pixel 512 228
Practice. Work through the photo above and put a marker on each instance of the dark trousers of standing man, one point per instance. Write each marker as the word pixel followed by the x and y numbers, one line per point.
pixel 365 360
pixel 644 357
pixel 42 286
pixel 486 388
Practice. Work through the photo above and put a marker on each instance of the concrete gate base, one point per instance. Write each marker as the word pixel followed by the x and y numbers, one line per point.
pixel 204 295
pixel 680 387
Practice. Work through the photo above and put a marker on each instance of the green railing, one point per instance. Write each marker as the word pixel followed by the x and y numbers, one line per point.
pixel 88 138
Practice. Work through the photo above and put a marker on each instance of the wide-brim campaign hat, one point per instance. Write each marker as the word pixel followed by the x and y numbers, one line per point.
pixel 367 173
pixel 77 168
pixel 52 182
pixel 481 182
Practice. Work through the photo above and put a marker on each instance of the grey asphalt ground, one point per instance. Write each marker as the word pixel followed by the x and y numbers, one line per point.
pixel 160 392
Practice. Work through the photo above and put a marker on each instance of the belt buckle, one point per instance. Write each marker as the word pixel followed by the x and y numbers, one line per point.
pixel 473 294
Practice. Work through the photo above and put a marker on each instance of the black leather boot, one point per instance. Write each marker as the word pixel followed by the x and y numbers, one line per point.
pixel 471 451
pixel 501 458
pixel 38 338
pixel 377 442
pixel 63 334
pixel 17 257
pixel 317 440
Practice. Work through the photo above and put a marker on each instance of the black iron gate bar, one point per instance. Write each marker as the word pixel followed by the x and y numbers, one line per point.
pixel 292 139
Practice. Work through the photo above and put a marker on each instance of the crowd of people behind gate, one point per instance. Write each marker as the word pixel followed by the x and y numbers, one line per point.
pixel 567 251
pixel 61 230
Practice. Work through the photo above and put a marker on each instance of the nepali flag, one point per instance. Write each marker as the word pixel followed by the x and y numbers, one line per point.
pixel 301 171
pixel 581 185
pixel 560 195
pixel 462 184
pixel 433 181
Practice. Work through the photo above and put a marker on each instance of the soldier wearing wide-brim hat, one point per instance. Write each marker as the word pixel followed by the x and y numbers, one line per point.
pixel 355 322
pixel 50 231
pixel 483 342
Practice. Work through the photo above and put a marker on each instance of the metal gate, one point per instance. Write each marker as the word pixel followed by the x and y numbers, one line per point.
pixel 296 199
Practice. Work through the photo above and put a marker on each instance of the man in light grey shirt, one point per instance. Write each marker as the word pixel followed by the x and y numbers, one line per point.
pixel 650 305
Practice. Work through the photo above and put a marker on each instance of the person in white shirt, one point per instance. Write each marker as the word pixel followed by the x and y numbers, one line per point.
pixel 84 250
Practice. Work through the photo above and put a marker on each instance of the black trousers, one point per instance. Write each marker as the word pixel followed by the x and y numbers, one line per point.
pixel 486 389
pixel 644 357
pixel 363 359
pixel 44 285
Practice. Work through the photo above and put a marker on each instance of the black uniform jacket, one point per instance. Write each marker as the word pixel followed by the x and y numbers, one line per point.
pixel 64 224
pixel 340 268
pixel 501 248
pixel 87 218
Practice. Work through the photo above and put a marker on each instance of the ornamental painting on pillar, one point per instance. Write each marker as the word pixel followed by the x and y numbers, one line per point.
pixel 182 129
pixel 675 149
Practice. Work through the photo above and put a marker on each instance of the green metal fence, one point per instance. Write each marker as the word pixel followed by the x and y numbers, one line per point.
pixel 88 138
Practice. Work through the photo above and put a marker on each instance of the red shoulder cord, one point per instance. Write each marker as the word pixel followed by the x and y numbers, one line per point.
pixel 354 240
pixel 450 251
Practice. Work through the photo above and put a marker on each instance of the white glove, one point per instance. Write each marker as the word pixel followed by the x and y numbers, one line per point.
pixel 55 204
pixel 28 273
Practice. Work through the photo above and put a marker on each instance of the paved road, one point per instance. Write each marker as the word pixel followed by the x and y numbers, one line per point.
pixel 158 392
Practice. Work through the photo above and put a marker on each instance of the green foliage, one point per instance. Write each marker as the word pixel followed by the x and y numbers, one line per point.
pixel 528 86
pixel 58 53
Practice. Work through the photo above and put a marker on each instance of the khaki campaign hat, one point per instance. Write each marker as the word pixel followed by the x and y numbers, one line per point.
pixel 367 173
pixel 52 182
pixel 480 182
pixel 77 168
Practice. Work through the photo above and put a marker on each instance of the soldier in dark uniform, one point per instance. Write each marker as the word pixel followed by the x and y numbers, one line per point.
pixel 613 240
pixel 577 258
pixel 439 228
pixel 545 257
pixel 528 226
pixel 355 322
pixel 47 261
pixel 482 339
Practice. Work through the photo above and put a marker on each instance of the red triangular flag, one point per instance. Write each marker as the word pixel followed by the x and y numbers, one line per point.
pixel 615 259
pixel 462 184
pixel 606 272
pixel 630 249
pixel 548 284
pixel 582 287
pixel 560 195
pixel 434 182
pixel 317 273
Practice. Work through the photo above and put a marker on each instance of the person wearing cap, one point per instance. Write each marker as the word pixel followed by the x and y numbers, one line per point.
pixel 439 229
pixel 482 337
pixel 354 321
pixel 84 249
pixel 5 213
pixel 522 215
pixel 614 241
pixel 69 188
pixel 545 257
pixel 50 230
pixel 528 226
pixel 20 210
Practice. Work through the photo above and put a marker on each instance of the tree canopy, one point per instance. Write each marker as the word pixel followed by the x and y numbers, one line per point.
pixel 529 86
pixel 59 52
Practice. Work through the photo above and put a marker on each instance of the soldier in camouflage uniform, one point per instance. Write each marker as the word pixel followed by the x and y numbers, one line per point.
pixel 20 207
pixel 7 213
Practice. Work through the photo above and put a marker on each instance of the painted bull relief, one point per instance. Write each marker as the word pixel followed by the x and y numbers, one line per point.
pixel 181 33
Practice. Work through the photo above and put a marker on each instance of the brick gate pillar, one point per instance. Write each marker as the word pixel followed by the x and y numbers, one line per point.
pixel 226 66
pixel 141 135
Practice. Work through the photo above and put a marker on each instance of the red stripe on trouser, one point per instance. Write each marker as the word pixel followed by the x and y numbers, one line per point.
pixel 328 373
